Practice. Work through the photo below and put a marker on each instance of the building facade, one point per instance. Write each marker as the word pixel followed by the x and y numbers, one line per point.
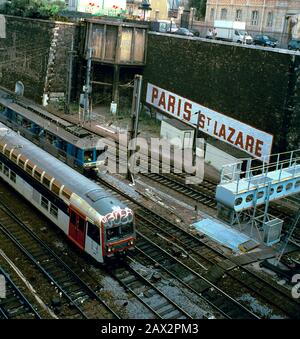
pixel 272 16
pixel 160 9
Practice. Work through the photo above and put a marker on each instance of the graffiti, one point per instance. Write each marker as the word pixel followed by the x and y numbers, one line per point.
pixel 118 217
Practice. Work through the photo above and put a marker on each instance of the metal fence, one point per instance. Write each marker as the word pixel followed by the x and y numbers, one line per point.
pixel 283 38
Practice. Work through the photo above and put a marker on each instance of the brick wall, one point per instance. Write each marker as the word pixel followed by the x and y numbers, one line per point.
pixel 254 85
pixel 36 53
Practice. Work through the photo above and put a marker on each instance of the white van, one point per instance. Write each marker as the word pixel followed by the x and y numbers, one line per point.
pixel 232 31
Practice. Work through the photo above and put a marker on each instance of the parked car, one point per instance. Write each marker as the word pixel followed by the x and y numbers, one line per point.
pixel 184 31
pixel 294 45
pixel 194 31
pixel 265 40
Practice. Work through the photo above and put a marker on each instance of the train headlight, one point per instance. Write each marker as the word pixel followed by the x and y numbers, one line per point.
pixel 131 242
pixel 109 249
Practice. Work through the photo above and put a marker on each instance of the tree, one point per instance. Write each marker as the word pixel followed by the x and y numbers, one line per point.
pixel 39 9
pixel 200 6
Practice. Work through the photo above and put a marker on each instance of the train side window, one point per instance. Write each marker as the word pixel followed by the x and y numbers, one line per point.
pixel 56 187
pixel 38 174
pixel 7 152
pixel 81 224
pixel 14 156
pixel 1 166
pixel 22 161
pixel 45 203
pixel 46 180
pixel 13 176
pixel 19 120
pixel 67 193
pixel 6 171
pixel 94 232
pixel 54 211
pixel 29 167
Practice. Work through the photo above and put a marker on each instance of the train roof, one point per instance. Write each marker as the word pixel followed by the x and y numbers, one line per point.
pixel 95 195
pixel 67 131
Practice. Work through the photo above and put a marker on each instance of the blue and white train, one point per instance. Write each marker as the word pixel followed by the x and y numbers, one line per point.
pixel 97 223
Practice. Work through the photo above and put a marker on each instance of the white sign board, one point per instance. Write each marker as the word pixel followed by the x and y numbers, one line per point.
pixel 244 137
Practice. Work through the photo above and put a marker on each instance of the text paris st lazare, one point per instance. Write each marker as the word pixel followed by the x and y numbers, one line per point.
pixel 222 127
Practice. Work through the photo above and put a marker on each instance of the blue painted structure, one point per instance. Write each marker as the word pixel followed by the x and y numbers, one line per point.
pixel 274 181
pixel 70 142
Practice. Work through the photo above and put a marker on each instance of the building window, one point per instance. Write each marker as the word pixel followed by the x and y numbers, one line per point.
pixel 223 14
pixel 254 18
pixel 238 15
pixel 270 19
pixel 212 14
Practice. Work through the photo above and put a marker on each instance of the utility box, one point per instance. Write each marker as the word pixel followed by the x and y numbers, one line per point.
pixel 272 231
pixel 177 133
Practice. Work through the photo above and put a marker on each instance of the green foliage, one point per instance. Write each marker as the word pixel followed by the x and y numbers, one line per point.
pixel 200 6
pixel 38 9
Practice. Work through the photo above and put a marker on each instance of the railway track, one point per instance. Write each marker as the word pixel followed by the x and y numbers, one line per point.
pixel 161 306
pixel 203 193
pixel 214 266
pixel 76 295
pixel 209 258
pixel 15 305
pixel 197 284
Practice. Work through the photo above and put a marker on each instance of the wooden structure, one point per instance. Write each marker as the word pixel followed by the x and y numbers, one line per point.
pixel 116 43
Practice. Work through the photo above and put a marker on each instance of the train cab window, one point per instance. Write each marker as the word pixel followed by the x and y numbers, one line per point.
pixel 127 229
pixel 13 176
pixel 112 233
pixel 93 232
pixel 54 210
pixel 88 156
pixel 81 224
pixel 6 170
pixel 45 203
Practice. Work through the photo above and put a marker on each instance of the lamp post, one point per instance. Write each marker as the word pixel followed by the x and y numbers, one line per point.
pixel 145 6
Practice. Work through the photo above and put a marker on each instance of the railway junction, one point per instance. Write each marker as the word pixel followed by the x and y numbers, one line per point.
pixel 172 211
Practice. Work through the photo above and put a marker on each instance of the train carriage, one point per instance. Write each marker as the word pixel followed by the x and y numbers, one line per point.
pixel 66 141
pixel 95 221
